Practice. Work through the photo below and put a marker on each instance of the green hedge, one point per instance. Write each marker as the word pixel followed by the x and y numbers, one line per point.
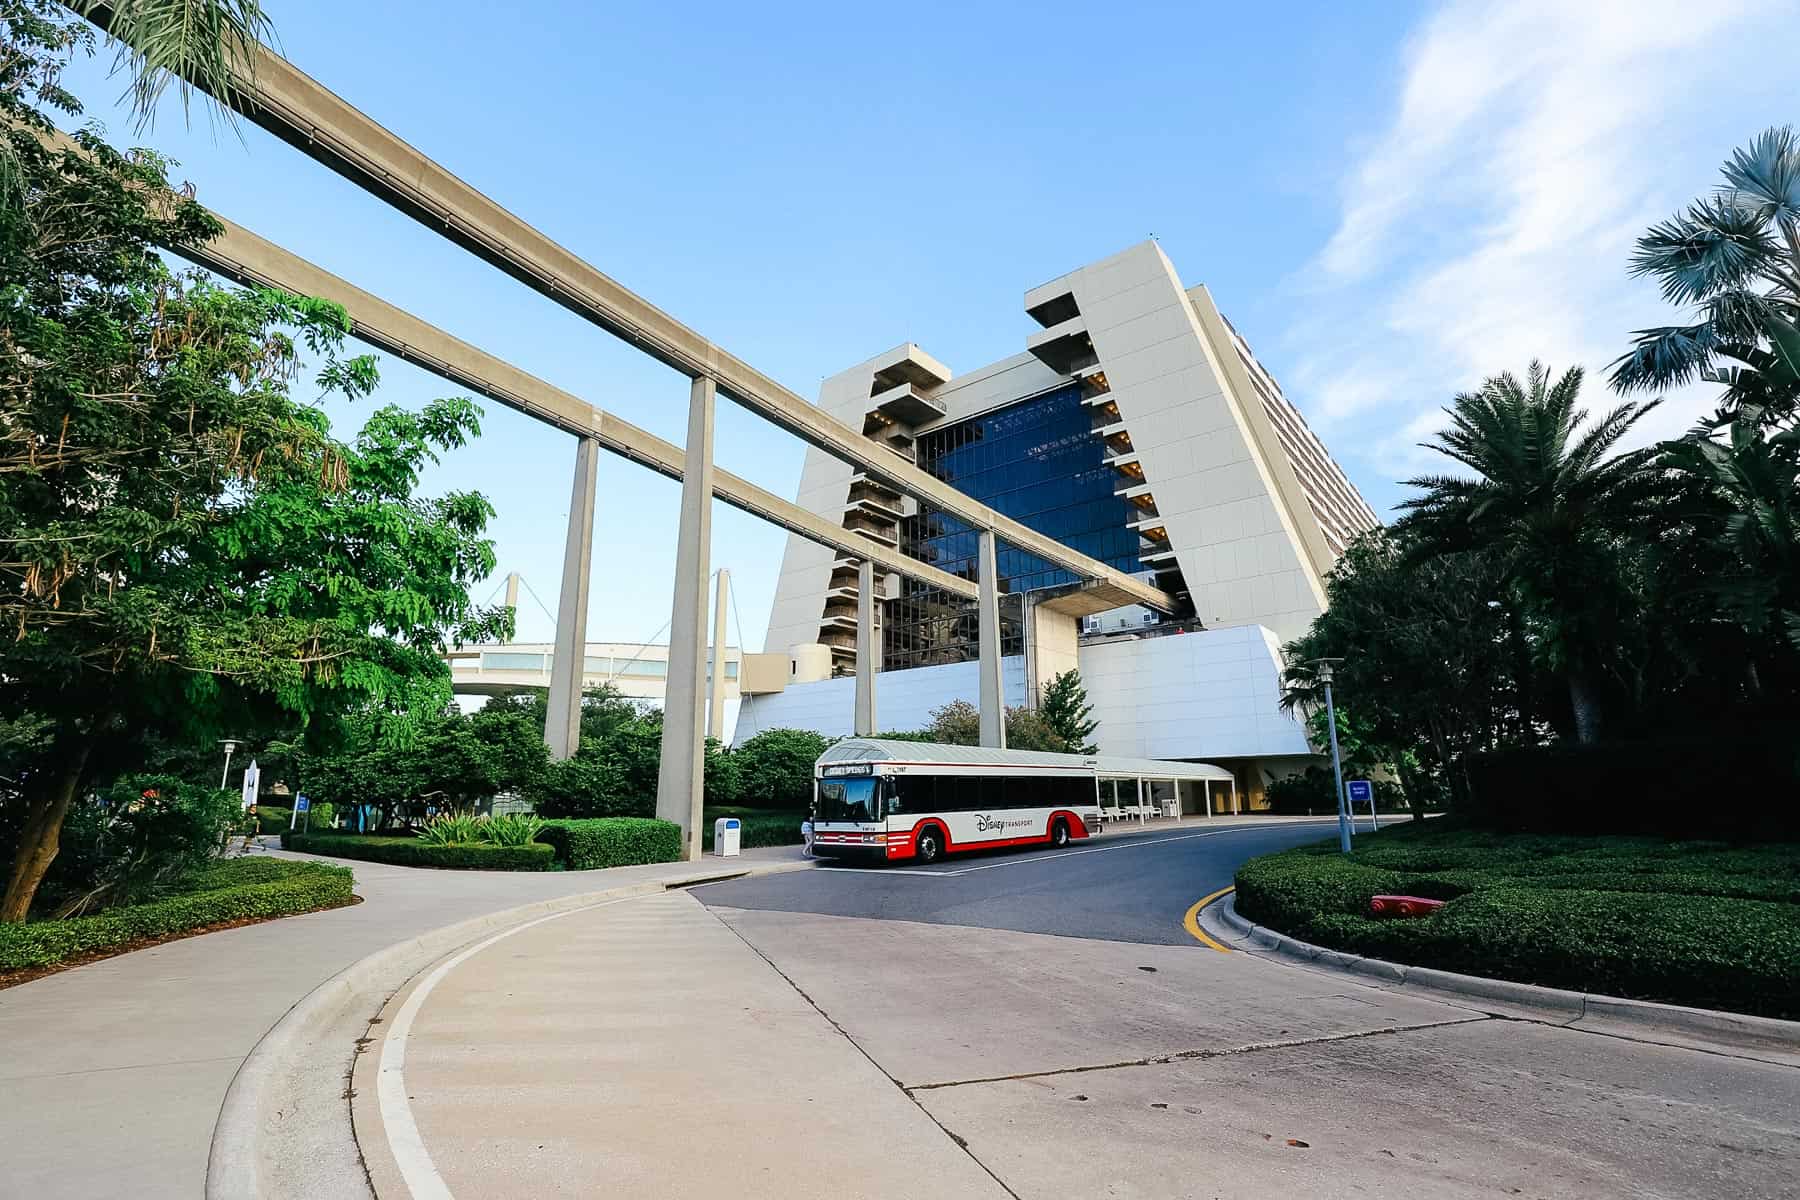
pixel 231 891
pixel 756 828
pixel 275 820
pixel 1683 922
pixel 589 843
pixel 411 852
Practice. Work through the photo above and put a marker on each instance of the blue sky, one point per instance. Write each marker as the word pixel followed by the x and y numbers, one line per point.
pixel 1389 200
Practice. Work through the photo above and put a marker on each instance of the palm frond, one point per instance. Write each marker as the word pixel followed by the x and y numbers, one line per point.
pixel 1665 357
pixel 1713 245
pixel 1764 177
pixel 205 44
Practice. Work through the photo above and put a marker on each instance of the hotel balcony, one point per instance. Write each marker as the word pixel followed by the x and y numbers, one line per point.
pixel 905 404
pixel 1065 348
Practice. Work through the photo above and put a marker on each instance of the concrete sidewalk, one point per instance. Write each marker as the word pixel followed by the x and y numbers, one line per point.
pixel 636 1048
pixel 114 1072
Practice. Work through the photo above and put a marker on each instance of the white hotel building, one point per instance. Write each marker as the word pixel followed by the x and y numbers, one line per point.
pixel 1136 427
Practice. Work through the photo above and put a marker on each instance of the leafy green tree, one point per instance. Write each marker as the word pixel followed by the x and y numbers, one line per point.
pixel 957 723
pixel 187 543
pixel 1435 667
pixel 1028 729
pixel 1066 709
pixel 775 768
pixel 1548 500
pixel 1734 258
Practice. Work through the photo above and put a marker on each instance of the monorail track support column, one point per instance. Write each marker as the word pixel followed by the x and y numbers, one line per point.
pixel 993 698
pixel 562 720
pixel 681 775
pixel 868 653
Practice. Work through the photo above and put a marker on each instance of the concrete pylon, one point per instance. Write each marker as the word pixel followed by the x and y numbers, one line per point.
pixel 681 775
pixel 715 708
pixel 512 590
pixel 987 611
pixel 868 654
pixel 562 723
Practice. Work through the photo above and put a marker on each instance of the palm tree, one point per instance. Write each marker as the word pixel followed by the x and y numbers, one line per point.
pixel 1748 514
pixel 1548 500
pixel 1734 257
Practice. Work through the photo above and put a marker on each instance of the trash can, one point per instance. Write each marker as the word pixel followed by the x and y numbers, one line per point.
pixel 726 833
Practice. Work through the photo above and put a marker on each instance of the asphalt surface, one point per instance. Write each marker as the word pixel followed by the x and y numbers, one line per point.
pixel 1126 887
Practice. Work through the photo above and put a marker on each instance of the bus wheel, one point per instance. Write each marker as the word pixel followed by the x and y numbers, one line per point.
pixel 1059 833
pixel 927 847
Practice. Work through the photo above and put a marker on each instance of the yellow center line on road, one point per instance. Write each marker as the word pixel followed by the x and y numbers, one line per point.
pixel 1191 922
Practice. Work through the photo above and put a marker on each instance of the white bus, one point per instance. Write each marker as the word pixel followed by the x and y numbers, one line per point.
pixel 919 800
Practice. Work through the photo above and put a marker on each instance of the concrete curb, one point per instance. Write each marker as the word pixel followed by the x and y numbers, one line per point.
pixel 253 1107
pixel 1763 1037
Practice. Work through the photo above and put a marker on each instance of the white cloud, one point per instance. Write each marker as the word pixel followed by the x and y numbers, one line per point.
pixel 1489 223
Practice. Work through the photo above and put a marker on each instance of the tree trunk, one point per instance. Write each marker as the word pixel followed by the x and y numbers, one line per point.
pixel 1586 707
pixel 47 798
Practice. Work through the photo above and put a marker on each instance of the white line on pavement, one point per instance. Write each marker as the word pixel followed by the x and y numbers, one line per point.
pixel 417 1170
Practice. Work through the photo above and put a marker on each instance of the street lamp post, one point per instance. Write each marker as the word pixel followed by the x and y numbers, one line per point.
pixel 225 775
pixel 1325 668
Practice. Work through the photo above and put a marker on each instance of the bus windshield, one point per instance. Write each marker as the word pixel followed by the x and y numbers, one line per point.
pixel 846 800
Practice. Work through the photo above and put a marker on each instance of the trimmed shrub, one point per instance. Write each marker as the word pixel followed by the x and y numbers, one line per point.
pixel 411 852
pixel 585 845
pixel 234 890
pixel 1684 922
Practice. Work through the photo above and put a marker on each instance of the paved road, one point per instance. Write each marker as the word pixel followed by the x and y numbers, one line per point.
pixel 1127 887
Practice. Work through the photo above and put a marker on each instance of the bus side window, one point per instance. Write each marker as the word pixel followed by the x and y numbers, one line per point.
pixel 1021 791
pixel 958 793
pixel 911 794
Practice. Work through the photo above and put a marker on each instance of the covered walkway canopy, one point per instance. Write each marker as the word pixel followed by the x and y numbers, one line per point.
pixel 1156 783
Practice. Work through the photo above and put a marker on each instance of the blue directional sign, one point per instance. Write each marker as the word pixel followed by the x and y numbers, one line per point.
pixel 1361 791
pixel 302 804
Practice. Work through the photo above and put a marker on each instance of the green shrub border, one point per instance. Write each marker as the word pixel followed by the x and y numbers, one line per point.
pixel 304 887
pixel 591 843
pixel 756 828
pixel 1632 921
pixel 411 852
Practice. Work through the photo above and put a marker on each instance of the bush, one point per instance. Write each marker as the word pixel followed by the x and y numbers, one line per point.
pixel 591 786
pixel 275 820
pixel 1684 922
pixel 756 828
pixel 131 842
pixel 775 768
pixel 586 845
pixel 234 890
pixel 1663 788
pixel 411 852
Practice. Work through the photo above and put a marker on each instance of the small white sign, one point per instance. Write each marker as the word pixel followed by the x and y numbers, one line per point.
pixel 252 783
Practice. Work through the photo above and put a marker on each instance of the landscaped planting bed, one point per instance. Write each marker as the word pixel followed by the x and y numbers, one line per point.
pixel 233 891
pixel 412 852
pixel 1698 923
